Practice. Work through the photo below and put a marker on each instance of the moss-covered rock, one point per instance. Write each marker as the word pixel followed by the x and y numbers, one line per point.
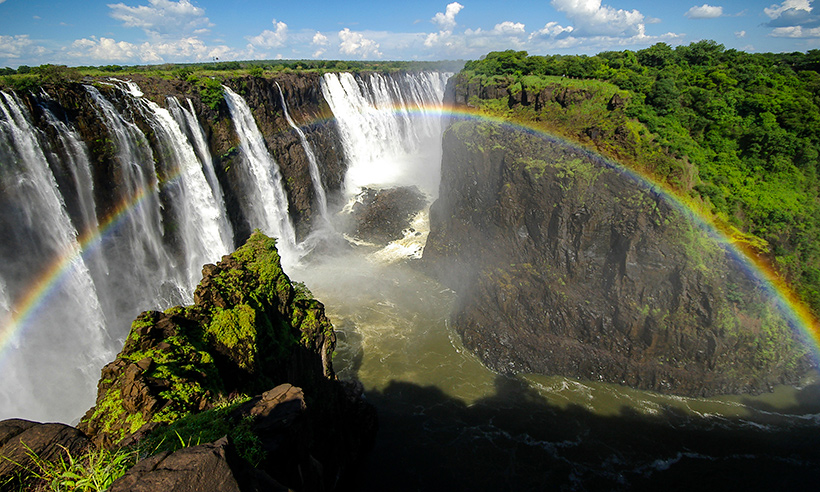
pixel 247 331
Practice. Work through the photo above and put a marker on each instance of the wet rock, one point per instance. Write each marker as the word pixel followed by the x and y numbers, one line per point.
pixel 382 215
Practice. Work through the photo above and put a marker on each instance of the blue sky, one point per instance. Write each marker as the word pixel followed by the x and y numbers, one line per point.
pixel 91 32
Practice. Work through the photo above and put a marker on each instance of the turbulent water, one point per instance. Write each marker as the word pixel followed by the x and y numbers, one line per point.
pixel 447 423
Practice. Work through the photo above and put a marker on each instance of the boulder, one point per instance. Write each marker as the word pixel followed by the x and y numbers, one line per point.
pixel 25 444
pixel 207 467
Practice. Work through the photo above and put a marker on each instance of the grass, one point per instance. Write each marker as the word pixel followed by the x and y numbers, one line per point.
pixel 94 470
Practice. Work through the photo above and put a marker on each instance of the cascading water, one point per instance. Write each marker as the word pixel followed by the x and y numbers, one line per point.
pixel 53 371
pixel 79 166
pixel 390 128
pixel 318 187
pixel 186 118
pixel 138 247
pixel 266 205
pixel 201 223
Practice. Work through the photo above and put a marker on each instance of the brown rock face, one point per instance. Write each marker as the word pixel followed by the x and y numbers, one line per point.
pixel 566 266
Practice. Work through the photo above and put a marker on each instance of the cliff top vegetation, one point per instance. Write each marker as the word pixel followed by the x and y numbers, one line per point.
pixel 25 77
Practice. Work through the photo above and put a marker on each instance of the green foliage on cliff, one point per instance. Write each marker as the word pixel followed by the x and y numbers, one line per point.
pixel 738 133
pixel 239 337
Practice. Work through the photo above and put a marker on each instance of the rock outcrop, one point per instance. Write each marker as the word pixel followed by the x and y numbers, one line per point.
pixel 565 265
pixel 186 375
pixel 381 216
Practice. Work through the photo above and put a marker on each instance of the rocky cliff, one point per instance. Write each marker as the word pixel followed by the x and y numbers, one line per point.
pixel 565 265
pixel 302 93
pixel 189 375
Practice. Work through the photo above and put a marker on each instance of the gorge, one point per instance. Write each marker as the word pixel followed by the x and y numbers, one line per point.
pixel 116 192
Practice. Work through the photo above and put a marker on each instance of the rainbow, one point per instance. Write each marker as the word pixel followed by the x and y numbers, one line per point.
pixel 46 284
pixel 802 321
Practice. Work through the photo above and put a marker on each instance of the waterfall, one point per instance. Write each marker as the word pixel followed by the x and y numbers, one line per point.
pixel 76 159
pixel 137 243
pixel 266 203
pixel 390 128
pixel 186 118
pixel 318 187
pixel 201 224
pixel 54 371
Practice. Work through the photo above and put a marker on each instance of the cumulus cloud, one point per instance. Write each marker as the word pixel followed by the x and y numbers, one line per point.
pixel 320 39
pixel 705 11
pixel 18 46
pixel 740 34
pixel 793 19
pixel 163 17
pixel 551 30
pixel 795 32
pixel 270 39
pixel 354 43
pixel 775 11
pixel 508 28
pixel 447 20
pixel 104 49
pixel 590 19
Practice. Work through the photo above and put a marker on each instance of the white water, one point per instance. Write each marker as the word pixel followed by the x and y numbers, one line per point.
pixel 76 159
pixel 390 129
pixel 313 165
pixel 266 203
pixel 186 118
pixel 52 371
pixel 137 247
pixel 200 221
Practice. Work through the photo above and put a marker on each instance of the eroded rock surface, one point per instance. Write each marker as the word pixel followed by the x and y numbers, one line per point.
pixel 564 265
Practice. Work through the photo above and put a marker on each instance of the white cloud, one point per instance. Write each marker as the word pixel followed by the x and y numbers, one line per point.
pixel 447 20
pixel 740 34
pixel 775 11
pixel 320 39
pixel 551 30
pixel 162 17
pixel 795 32
pixel 18 46
pixel 705 11
pixel 270 39
pixel 793 19
pixel 185 49
pixel 508 28
pixel 590 19
pixel 354 43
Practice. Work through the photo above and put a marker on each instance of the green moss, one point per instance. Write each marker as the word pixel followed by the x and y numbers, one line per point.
pixel 235 329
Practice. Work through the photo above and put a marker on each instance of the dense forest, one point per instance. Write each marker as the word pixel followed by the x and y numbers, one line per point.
pixel 736 132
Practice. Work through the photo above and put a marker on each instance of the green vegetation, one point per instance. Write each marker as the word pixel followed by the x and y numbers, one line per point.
pixel 736 135
pixel 94 470
pixel 208 426
pixel 28 78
